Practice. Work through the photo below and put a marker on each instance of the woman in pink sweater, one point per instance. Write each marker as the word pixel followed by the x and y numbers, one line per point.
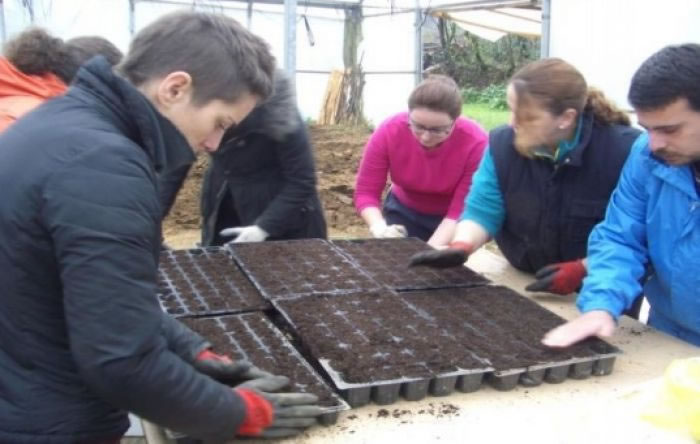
pixel 430 154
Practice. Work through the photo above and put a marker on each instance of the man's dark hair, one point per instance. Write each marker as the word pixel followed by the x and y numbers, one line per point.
pixel 668 75
pixel 36 52
pixel 223 58
pixel 82 49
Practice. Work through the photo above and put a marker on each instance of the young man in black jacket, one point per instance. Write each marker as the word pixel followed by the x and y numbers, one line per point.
pixel 82 337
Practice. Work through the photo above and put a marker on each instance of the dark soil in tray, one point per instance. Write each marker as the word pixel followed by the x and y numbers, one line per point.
pixel 252 337
pixel 204 282
pixel 284 269
pixel 386 260
pixel 374 336
pixel 500 325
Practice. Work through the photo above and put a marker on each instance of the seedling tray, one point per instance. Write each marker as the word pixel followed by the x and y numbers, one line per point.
pixel 379 346
pixel 204 281
pixel 505 328
pixel 286 269
pixel 253 337
pixel 386 261
pixel 373 347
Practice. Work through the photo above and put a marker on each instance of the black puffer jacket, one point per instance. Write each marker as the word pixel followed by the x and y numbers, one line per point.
pixel 264 174
pixel 82 337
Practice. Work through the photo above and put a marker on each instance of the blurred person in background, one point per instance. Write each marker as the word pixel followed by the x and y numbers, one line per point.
pixel 261 182
pixel 37 66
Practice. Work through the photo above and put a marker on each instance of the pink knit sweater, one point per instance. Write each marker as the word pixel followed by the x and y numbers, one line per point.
pixel 432 181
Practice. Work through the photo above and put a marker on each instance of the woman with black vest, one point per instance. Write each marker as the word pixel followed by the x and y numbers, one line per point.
pixel 546 178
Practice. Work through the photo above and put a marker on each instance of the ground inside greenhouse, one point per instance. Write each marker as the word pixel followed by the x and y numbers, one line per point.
pixel 337 150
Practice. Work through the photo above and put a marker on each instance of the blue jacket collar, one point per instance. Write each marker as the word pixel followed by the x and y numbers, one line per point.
pixel 680 177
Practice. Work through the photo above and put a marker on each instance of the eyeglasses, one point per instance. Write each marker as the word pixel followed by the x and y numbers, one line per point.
pixel 433 131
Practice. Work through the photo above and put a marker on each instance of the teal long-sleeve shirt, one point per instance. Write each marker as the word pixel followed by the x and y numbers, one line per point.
pixel 484 203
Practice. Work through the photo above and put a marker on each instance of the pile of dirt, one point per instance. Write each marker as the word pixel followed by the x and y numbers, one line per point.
pixel 184 215
pixel 337 150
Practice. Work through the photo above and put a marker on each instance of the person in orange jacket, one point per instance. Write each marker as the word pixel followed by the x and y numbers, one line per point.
pixel 37 66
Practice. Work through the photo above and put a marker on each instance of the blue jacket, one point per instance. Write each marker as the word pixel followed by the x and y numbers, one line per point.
pixel 653 219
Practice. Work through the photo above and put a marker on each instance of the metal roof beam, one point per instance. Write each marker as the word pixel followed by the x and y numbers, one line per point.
pixel 304 3
pixel 486 4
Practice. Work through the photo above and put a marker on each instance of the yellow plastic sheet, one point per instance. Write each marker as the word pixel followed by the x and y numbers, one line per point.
pixel 678 405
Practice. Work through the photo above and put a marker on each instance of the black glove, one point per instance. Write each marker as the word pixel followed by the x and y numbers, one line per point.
pixel 455 255
pixel 293 412
pixel 223 369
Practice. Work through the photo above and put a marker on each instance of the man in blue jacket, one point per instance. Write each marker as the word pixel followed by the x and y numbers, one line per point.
pixel 82 337
pixel 653 220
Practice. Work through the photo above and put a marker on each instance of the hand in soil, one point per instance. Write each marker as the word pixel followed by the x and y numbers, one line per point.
pixel 294 412
pixel 447 258
pixel 592 323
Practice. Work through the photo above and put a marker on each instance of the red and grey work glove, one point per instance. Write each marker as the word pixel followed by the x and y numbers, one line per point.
pixel 560 278
pixel 455 255
pixel 270 414
pixel 223 369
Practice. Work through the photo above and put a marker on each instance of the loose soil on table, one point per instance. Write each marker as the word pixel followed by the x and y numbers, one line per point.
pixel 252 337
pixel 337 150
pixel 288 268
pixel 204 282
pixel 374 336
pixel 386 260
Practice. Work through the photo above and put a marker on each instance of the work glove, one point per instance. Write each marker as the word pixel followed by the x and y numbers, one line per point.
pixel 380 230
pixel 270 414
pixel 251 233
pixel 455 255
pixel 225 370
pixel 559 278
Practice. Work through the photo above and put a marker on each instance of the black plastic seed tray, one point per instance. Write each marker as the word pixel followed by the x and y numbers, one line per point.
pixel 204 281
pixel 283 269
pixel 386 260
pixel 253 337
pixel 374 348
pixel 505 328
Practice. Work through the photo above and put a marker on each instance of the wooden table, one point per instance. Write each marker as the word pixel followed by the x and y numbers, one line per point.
pixel 595 410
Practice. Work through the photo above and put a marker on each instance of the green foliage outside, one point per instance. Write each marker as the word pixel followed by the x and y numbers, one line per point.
pixel 486 116
pixel 494 96
pixel 475 62
pixel 487 106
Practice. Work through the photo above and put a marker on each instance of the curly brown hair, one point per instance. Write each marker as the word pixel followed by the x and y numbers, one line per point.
pixel 36 52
